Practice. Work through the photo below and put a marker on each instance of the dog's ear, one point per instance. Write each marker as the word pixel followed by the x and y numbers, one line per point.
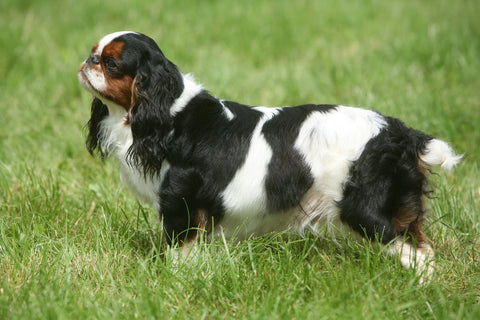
pixel 157 84
pixel 99 111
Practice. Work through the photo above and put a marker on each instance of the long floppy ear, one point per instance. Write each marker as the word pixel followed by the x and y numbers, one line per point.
pixel 157 84
pixel 98 112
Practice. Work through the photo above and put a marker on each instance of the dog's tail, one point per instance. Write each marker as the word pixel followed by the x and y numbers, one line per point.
pixel 439 153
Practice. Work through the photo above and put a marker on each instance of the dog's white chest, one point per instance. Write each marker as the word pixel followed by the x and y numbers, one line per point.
pixel 145 189
pixel 116 140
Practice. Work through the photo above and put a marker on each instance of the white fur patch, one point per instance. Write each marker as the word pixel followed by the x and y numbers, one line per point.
pixel 329 143
pixel 245 196
pixel 190 90
pixel 228 113
pixel 92 78
pixel 146 190
pixel 420 258
pixel 109 38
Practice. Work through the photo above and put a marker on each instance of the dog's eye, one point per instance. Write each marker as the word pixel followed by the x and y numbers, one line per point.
pixel 111 65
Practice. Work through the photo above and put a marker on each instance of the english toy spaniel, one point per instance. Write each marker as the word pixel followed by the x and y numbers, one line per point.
pixel 211 165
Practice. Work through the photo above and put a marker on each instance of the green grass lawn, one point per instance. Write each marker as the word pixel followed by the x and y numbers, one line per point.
pixel 74 244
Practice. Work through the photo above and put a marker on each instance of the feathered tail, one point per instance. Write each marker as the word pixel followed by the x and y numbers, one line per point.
pixel 439 153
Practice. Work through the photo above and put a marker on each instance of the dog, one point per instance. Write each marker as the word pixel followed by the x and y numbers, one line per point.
pixel 214 166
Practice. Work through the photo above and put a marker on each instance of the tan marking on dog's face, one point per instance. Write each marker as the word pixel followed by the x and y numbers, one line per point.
pixel 118 85
pixel 102 72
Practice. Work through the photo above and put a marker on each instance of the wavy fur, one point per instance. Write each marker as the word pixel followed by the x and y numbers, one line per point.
pixel 158 83
pixel 99 111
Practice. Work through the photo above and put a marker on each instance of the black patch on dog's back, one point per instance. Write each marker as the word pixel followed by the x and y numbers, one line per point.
pixel 289 176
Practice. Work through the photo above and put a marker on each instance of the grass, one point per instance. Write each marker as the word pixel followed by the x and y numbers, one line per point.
pixel 75 244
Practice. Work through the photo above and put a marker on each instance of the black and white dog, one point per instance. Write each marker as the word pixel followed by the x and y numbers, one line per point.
pixel 201 161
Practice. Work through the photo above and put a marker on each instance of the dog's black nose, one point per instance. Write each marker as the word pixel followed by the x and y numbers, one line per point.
pixel 93 59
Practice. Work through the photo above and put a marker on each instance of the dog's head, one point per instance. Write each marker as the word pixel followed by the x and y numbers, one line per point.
pixel 128 74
